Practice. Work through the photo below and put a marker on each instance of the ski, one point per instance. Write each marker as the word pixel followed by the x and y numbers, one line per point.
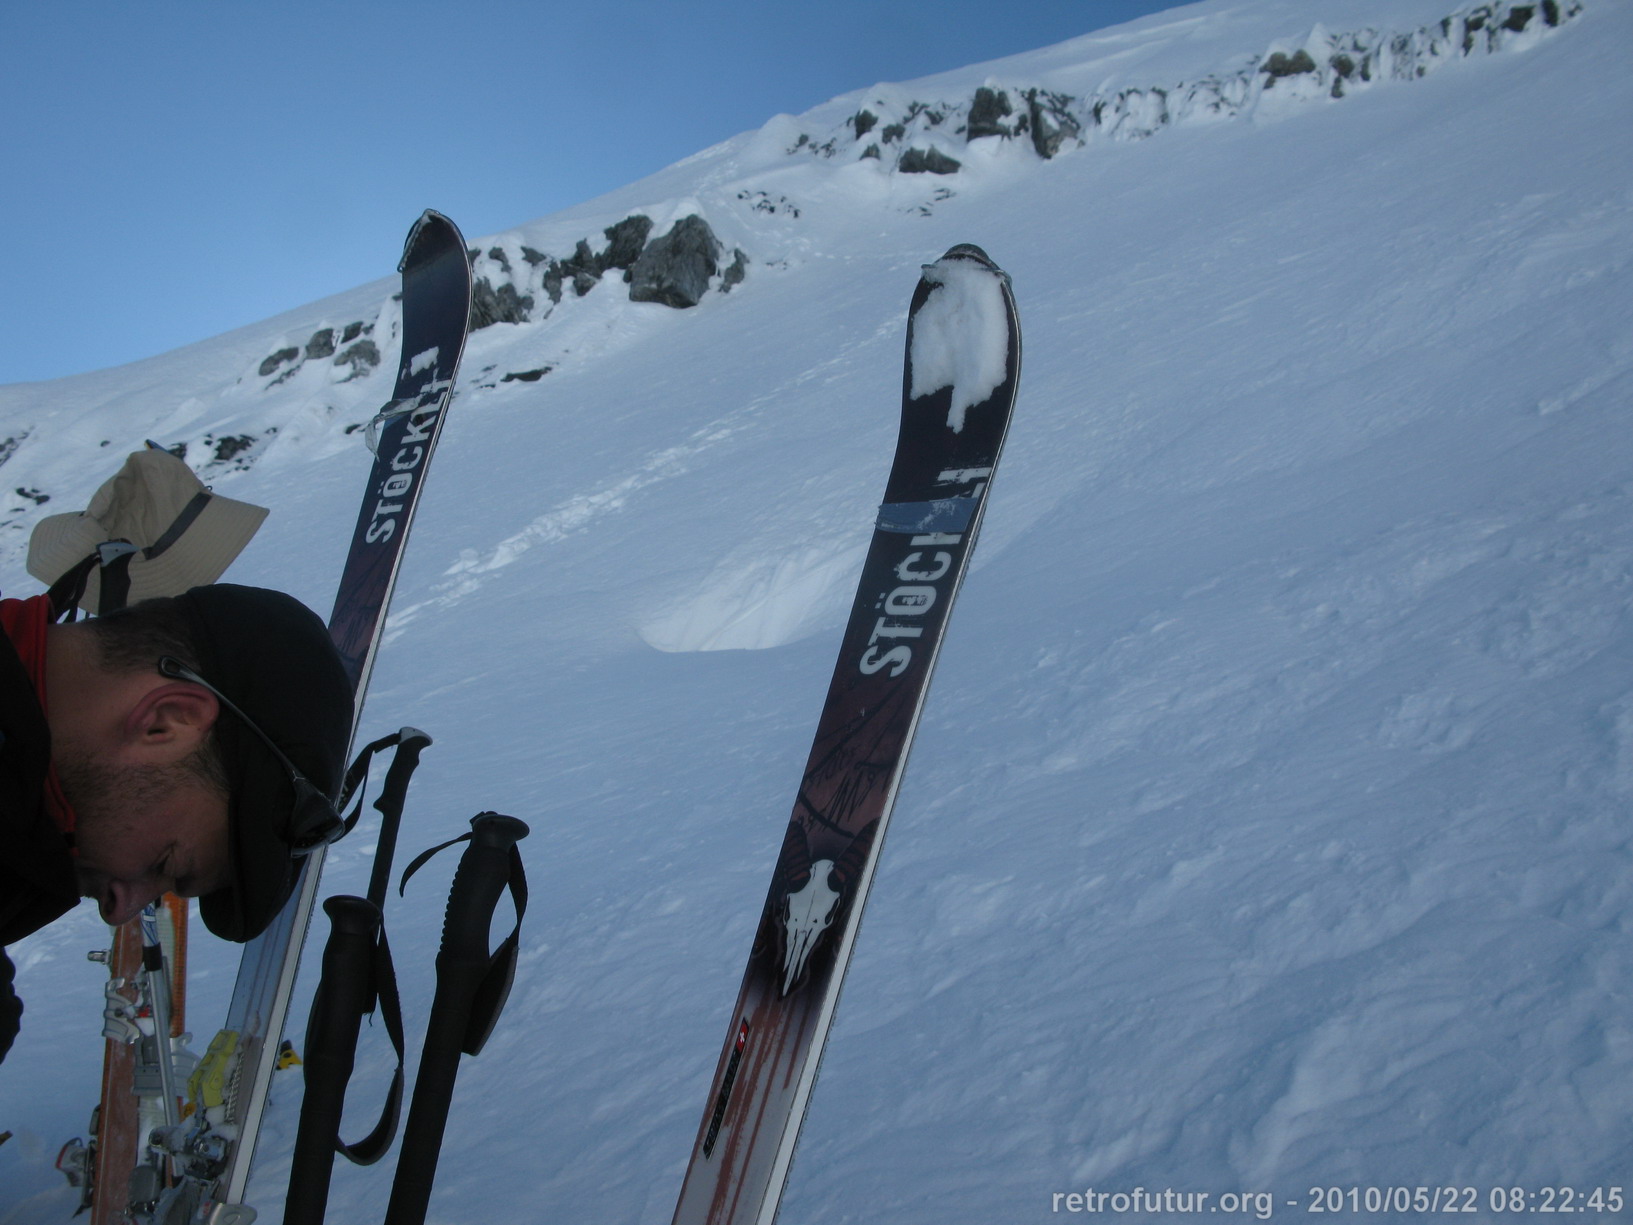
pixel 215 1148
pixel 146 959
pixel 962 367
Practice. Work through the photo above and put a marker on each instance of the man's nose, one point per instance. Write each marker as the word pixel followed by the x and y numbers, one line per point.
pixel 122 900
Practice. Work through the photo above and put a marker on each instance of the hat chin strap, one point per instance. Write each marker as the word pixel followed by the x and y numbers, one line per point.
pixel 113 557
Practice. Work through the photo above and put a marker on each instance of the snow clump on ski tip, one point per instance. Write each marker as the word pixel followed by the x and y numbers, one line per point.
pixel 960 336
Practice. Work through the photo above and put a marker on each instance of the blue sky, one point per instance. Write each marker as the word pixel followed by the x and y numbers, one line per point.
pixel 177 168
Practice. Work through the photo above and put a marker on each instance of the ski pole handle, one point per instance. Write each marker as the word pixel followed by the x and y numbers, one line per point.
pixel 389 803
pixel 343 996
pixel 463 963
pixel 483 873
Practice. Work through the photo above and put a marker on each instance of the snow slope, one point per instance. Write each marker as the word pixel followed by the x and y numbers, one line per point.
pixel 1267 828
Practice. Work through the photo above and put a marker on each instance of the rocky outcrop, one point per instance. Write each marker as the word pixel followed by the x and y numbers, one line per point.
pixel 359 356
pixel 507 286
pixel 625 242
pixel 989 114
pixel 677 268
pixel 519 284
pixel 1050 120
pixel 927 161
pixel 502 305
pixel 921 136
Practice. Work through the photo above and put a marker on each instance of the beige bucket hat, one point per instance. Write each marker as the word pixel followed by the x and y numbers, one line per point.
pixel 185 535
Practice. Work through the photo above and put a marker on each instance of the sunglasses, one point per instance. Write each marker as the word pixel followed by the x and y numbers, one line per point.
pixel 313 820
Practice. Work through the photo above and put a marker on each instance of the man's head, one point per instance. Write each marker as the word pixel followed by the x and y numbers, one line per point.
pixel 165 763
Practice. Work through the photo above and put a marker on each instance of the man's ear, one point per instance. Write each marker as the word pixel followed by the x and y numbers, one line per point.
pixel 169 722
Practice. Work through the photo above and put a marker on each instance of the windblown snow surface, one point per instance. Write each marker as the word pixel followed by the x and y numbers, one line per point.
pixel 1269 824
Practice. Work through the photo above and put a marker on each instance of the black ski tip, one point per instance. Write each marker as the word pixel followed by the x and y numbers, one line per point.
pixel 968 250
pixel 431 229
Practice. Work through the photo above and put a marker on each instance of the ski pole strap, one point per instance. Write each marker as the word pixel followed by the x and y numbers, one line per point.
pixel 409 742
pixel 356 974
pixel 472 983
pixel 491 993
pixel 358 977
pixel 373 1146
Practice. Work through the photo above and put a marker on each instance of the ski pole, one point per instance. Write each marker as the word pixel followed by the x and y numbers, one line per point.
pixel 356 974
pixel 472 985
pixel 344 994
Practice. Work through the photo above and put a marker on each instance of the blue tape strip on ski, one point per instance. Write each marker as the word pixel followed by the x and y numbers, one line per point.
pixel 941 515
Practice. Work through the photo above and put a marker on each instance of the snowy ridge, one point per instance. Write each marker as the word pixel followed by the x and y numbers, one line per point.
pixel 919 136
pixel 517 282
pixel 1268 825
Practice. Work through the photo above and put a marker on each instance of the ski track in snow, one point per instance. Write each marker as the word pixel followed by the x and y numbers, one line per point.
pixel 1267 827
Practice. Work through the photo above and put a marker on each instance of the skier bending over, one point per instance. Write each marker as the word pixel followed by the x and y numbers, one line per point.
pixel 189 744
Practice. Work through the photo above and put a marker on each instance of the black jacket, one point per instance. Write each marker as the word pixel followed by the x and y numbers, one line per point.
pixel 37 881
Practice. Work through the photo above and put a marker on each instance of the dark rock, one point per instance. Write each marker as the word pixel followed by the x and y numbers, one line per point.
pixel 553 280
pixel 988 112
pixel 527 376
pixel 675 269
pixel 322 344
pixel 534 258
pixel 764 202
pixel 278 359
pixel 1052 123
pixel 863 122
pixel 502 305
pixel 498 256
pixel 927 161
pixel 352 332
pixel 584 267
pixel 736 272
pixel 1343 68
pixel 227 448
pixel 362 357
pixel 893 132
pixel 1475 22
pixel 625 242
pixel 1281 64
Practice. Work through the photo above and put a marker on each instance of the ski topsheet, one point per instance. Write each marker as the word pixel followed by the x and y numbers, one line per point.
pixel 963 363
pixel 229 1090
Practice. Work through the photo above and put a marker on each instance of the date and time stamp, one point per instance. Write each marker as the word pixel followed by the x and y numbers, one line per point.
pixel 1350 1202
